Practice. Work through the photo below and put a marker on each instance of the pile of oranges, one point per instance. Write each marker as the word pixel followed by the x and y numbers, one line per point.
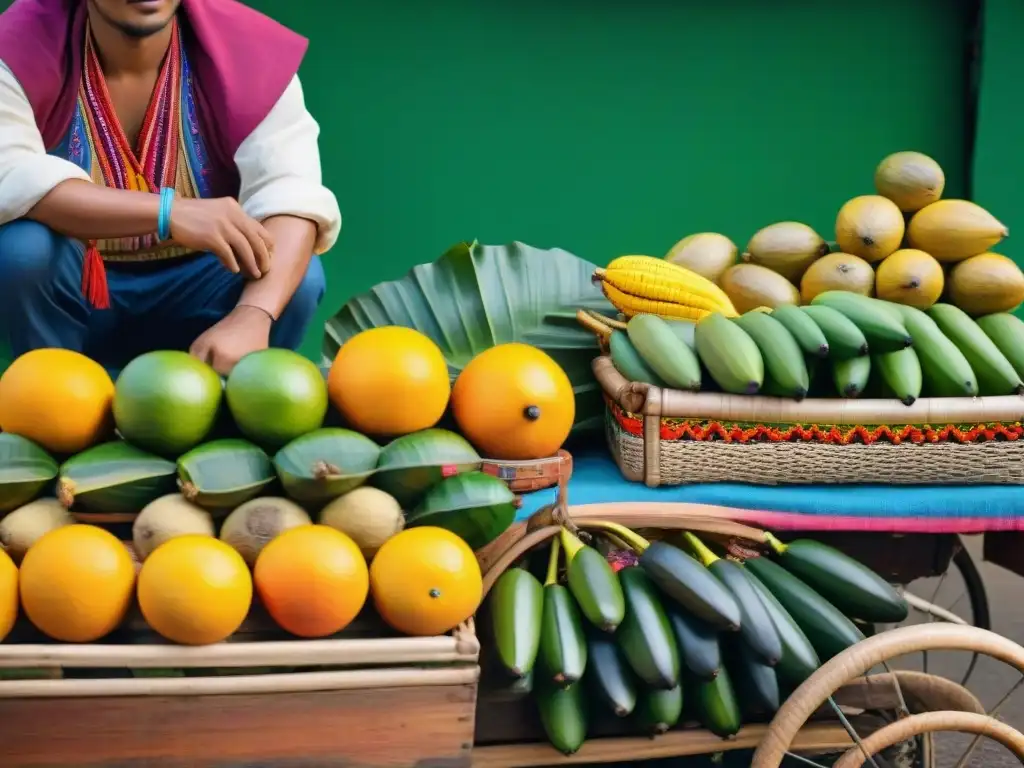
pixel 78 582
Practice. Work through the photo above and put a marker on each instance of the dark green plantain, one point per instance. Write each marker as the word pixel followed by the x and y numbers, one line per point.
pixel 799 659
pixel 757 685
pixel 594 584
pixel 645 635
pixel 850 586
pixel 516 609
pixel 698 643
pixel 657 711
pixel 806 332
pixel 829 631
pixel 757 631
pixel 563 646
pixel 563 713
pixel 609 675
pixel 717 707
pixel 691 585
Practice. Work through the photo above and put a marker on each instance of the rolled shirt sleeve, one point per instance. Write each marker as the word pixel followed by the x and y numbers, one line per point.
pixel 279 167
pixel 27 173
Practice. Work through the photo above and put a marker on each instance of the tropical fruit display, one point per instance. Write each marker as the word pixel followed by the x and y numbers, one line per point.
pixel 908 301
pixel 647 628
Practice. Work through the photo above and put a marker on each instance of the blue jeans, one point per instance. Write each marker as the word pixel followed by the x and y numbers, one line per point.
pixel 152 305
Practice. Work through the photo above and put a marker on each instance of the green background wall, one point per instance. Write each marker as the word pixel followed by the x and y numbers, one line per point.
pixel 611 127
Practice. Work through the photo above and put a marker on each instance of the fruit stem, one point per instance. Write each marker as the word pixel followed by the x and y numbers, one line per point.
pixel 571 543
pixel 592 324
pixel 700 549
pixel 777 546
pixel 611 322
pixel 598 275
pixel 552 575
pixel 615 541
pixel 633 541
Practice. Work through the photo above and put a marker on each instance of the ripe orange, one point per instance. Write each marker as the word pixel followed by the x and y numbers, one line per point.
pixel 513 401
pixel 8 594
pixel 425 581
pixel 312 580
pixel 195 590
pixel 76 583
pixel 57 398
pixel 389 381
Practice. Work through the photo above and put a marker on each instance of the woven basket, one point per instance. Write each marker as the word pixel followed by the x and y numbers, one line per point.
pixel 668 437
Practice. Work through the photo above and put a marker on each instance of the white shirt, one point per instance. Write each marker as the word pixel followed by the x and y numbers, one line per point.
pixel 278 163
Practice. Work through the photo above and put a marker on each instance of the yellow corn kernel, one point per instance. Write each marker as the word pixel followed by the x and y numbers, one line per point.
pixel 631 305
pixel 666 271
pixel 646 285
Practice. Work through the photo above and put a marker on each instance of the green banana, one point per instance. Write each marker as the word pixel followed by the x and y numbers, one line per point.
pixel 717 707
pixel 563 714
pixel 845 339
pixel 659 710
pixel 645 635
pixel 946 371
pixel 628 362
pixel 563 646
pixel 1007 333
pixel 698 643
pixel 806 332
pixel 756 628
pixel 784 365
pixel 609 675
pixel 850 586
pixel 683 329
pixel 730 355
pixel 884 333
pixel 756 683
pixel 593 583
pixel 996 376
pixel 828 629
pixel 851 375
pixel 901 372
pixel 799 659
pixel 664 352
pixel 516 608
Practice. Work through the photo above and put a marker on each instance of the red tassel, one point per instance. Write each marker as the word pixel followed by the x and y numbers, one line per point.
pixel 94 279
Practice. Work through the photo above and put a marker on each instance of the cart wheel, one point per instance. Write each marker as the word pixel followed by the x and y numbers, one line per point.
pixel 957 596
pixel 855 661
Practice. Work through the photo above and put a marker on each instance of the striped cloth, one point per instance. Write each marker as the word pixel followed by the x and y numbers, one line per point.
pixel 874 508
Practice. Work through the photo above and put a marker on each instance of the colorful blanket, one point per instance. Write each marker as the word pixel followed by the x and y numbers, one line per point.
pixel 878 508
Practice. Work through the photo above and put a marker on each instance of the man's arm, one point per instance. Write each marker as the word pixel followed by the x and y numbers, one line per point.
pixel 282 186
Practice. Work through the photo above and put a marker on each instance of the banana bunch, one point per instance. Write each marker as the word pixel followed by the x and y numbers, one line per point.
pixel 644 285
pixel 842 343
pixel 657 630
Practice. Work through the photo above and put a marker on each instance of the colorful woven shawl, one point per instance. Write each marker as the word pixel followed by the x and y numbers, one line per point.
pixel 169 152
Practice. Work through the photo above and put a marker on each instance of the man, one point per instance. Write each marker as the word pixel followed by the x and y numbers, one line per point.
pixel 160 181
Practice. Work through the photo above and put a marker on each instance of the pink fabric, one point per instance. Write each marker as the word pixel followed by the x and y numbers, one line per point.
pixel 243 62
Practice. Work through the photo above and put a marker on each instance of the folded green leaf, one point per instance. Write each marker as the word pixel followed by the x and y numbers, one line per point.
pixel 25 469
pixel 114 477
pixel 223 474
pixel 325 464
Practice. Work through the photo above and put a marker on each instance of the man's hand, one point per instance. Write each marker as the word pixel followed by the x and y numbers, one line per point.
pixel 245 329
pixel 221 226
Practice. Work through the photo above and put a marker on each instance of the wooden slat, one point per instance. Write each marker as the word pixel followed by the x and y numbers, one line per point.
pixel 379 728
pixel 686 743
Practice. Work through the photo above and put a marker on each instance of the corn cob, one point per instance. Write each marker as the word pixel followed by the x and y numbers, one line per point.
pixel 652 280
pixel 631 305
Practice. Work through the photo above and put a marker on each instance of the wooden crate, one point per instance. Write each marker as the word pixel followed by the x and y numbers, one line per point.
pixel 363 698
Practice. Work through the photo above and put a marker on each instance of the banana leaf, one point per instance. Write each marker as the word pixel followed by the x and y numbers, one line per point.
pixel 478 296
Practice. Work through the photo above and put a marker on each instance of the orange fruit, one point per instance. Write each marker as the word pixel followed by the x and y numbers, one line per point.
pixel 57 398
pixel 425 581
pixel 513 401
pixel 195 590
pixel 76 583
pixel 389 381
pixel 312 580
pixel 8 594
